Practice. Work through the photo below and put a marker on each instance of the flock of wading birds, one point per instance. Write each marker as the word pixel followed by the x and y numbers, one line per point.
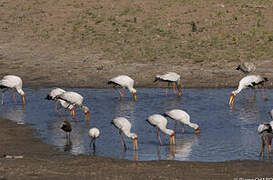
pixel 69 100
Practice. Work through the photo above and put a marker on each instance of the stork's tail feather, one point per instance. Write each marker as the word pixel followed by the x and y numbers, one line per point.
pixel 156 79
pixel 164 114
pixel 48 97
pixel 110 82
pixel 238 68
pixel 265 79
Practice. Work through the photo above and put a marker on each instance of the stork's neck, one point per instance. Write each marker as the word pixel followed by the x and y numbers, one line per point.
pixel 166 131
pixel 131 89
pixel 240 88
pixel 20 91
pixel 129 134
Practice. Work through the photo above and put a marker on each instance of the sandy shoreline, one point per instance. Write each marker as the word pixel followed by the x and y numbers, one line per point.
pixel 43 162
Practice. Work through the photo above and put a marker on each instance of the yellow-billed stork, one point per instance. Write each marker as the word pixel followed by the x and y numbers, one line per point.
pixel 124 82
pixel 124 126
pixel 74 98
pixel 170 77
pixel 160 122
pixel 184 118
pixel 12 82
pixel 249 81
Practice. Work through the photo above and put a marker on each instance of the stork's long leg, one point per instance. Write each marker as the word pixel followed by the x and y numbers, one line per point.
pixel 269 144
pixel 57 106
pixel 74 111
pixel 265 98
pixel 123 95
pixel 263 144
pixel 13 96
pixel 250 97
pixel 174 88
pixel 158 137
pixel 167 89
pixel 175 124
pixel 120 95
pixel 2 97
pixel 182 128
pixel 122 141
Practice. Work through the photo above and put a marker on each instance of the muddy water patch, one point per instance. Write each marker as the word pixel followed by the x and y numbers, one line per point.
pixel 226 134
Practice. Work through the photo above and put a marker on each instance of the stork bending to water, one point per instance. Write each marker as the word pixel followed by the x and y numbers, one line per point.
pixel 12 82
pixel 249 81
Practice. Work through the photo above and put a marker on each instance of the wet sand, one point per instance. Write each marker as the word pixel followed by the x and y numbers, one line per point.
pixel 42 161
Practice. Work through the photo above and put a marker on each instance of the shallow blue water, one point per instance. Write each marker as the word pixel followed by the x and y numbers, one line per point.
pixel 226 133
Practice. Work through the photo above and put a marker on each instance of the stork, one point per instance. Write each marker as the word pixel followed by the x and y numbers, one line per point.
pixel 246 67
pixel 124 82
pixel 73 98
pixel 265 130
pixel 249 81
pixel 184 118
pixel 12 82
pixel 160 122
pixel 124 126
pixel 93 134
pixel 172 78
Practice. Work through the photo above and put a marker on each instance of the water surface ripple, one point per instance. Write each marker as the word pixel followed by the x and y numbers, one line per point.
pixel 226 134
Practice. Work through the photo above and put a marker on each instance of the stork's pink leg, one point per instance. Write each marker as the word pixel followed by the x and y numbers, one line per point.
pixel 2 97
pixel 120 95
pixel 175 127
pixel 250 97
pixel 182 128
pixel 74 111
pixel 174 88
pixel 123 92
pixel 265 99
pixel 158 137
pixel 56 107
pixel 167 89
pixel 13 96
pixel 122 141
pixel 263 145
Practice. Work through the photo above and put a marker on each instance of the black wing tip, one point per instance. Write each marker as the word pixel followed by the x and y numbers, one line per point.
pixel 265 79
pixel 164 114
pixel 239 67
pixel 156 79
pixel 48 97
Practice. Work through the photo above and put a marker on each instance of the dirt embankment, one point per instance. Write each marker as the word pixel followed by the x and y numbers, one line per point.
pixel 85 43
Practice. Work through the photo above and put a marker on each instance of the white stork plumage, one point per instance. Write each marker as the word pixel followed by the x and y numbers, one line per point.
pixel 93 133
pixel 73 98
pixel 249 81
pixel 124 126
pixel 246 67
pixel 160 122
pixel 265 130
pixel 170 77
pixel 124 82
pixel 52 96
pixel 184 118
pixel 12 82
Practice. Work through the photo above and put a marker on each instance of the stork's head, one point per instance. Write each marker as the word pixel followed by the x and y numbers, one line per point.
pixel 20 91
pixel 195 127
pixel 172 138
pixel 232 97
pixel 134 93
pixel 179 89
pixel 134 137
pixel 86 112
